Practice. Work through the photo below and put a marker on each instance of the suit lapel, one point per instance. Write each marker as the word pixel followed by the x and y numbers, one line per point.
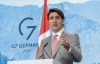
pixel 57 48
pixel 48 47
pixel 58 44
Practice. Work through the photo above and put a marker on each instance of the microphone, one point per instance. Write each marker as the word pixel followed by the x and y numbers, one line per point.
pixel 45 45
pixel 45 51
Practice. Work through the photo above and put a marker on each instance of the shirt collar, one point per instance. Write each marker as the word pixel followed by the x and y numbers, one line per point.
pixel 59 32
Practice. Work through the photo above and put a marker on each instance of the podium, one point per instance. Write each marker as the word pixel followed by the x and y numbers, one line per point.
pixel 37 61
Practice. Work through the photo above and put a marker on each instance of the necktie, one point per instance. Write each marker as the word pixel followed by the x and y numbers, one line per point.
pixel 54 42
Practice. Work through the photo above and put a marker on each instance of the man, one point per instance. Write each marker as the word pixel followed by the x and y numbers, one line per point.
pixel 61 45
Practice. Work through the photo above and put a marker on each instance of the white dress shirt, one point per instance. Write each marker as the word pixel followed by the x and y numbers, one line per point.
pixel 58 34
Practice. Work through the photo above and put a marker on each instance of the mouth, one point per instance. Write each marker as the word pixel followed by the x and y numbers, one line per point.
pixel 55 25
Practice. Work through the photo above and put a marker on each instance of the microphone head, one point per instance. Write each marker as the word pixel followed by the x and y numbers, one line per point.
pixel 45 45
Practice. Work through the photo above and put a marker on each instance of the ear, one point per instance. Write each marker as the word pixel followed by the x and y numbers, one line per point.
pixel 63 20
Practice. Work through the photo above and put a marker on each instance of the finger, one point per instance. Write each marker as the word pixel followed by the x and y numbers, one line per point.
pixel 62 40
pixel 63 43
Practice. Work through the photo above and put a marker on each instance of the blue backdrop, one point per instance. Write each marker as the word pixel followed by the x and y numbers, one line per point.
pixel 19 30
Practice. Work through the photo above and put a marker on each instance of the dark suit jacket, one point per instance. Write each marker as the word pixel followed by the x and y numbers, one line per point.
pixel 62 54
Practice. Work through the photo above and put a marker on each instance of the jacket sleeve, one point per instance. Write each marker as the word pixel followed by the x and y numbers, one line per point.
pixel 75 50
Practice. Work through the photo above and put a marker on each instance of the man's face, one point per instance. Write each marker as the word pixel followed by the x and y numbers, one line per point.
pixel 55 22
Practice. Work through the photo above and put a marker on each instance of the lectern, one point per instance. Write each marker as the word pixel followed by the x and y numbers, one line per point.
pixel 37 61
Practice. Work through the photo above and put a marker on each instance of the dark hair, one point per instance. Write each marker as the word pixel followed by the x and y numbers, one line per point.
pixel 59 12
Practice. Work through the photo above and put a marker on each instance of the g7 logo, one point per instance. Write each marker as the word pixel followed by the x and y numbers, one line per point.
pixel 33 27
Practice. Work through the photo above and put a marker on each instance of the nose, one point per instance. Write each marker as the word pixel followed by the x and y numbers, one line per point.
pixel 55 20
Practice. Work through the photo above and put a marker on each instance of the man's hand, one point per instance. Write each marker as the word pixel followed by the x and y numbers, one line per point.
pixel 65 43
